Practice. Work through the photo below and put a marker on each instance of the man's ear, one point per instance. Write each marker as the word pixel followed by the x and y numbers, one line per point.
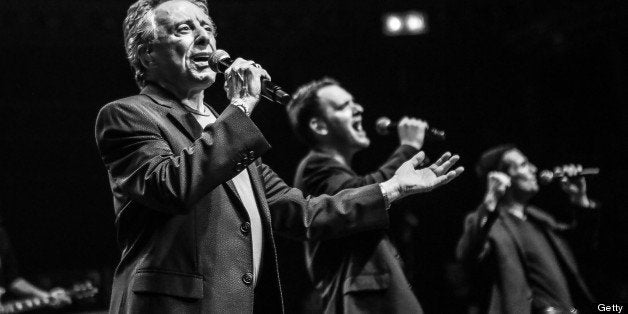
pixel 145 57
pixel 318 126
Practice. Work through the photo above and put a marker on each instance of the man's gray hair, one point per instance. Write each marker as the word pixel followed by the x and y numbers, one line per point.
pixel 139 32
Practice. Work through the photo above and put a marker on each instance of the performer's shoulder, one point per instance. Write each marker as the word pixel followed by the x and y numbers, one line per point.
pixel 472 216
pixel 134 103
pixel 541 215
pixel 134 100
pixel 316 161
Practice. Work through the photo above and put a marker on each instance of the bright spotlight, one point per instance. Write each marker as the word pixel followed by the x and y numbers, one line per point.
pixel 415 23
pixel 404 23
pixel 393 24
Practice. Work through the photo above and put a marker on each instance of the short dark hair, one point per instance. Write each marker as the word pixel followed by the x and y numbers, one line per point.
pixel 492 159
pixel 304 105
pixel 138 28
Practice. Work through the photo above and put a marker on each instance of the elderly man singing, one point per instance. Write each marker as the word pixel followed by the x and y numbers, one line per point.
pixel 195 206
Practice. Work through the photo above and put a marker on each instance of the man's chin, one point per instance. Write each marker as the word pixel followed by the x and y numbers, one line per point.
pixel 207 77
pixel 364 143
pixel 533 191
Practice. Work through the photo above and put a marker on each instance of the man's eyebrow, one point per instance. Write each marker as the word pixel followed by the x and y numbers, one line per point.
pixel 188 21
pixel 210 23
pixel 344 103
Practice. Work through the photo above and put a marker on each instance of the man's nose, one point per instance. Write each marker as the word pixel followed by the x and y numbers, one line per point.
pixel 357 108
pixel 203 37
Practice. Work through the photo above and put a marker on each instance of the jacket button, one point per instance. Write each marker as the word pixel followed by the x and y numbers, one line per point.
pixel 245 228
pixel 247 278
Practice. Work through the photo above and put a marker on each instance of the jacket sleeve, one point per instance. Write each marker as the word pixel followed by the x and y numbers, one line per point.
pixel 143 167
pixel 473 245
pixel 327 176
pixel 304 217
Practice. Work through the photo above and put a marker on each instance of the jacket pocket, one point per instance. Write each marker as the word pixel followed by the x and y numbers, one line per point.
pixel 169 283
pixel 366 282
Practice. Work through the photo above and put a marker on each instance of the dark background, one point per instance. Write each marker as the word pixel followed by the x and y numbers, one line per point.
pixel 549 76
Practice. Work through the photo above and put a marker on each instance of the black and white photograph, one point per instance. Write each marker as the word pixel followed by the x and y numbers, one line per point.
pixel 275 156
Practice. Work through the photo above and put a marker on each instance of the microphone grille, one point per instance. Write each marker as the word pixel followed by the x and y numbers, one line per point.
pixel 215 58
pixel 546 177
pixel 381 125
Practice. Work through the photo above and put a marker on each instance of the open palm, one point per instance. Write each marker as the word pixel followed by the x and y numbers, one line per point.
pixel 422 180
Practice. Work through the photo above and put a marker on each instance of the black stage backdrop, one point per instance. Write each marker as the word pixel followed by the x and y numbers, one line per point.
pixel 550 77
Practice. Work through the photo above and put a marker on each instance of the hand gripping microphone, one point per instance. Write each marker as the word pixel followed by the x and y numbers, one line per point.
pixel 384 126
pixel 547 176
pixel 220 61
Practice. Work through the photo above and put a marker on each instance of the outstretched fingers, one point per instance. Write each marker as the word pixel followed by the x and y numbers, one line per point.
pixel 454 173
pixel 441 160
pixel 417 159
pixel 444 179
pixel 445 165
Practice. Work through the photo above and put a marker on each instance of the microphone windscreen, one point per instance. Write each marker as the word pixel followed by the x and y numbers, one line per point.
pixel 381 125
pixel 546 177
pixel 215 58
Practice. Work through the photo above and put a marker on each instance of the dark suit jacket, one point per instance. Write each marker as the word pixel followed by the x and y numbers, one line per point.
pixel 183 231
pixel 361 273
pixel 491 249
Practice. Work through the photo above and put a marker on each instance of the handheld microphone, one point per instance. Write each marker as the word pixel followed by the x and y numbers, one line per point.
pixel 220 61
pixel 547 176
pixel 384 126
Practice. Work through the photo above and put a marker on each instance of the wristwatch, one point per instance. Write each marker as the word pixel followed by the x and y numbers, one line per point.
pixel 239 102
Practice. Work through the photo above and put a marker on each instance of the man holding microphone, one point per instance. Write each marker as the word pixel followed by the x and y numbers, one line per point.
pixel 362 273
pixel 516 254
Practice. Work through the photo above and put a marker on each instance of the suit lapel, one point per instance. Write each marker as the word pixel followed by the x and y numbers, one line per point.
pixel 260 195
pixel 262 204
pixel 180 117
pixel 564 253
pixel 193 131
pixel 235 196
pixel 230 187
pixel 510 228
pixel 558 244
pixel 188 125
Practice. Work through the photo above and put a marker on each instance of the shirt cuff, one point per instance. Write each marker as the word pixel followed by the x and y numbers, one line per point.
pixel 240 104
pixel 389 192
pixel 385 194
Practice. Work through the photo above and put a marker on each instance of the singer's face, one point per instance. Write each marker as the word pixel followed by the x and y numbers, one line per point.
pixel 522 172
pixel 343 118
pixel 180 51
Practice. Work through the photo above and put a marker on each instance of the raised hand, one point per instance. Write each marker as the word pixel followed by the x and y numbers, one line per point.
pixel 496 185
pixel 409 180
pixel 243 83
pixel 411 132
pixel 576 188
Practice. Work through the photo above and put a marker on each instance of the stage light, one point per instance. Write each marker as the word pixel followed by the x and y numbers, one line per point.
pixel 404 23
pixel 415 22
pixel 393 24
